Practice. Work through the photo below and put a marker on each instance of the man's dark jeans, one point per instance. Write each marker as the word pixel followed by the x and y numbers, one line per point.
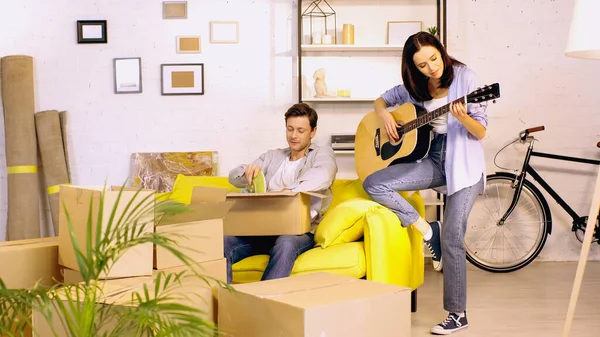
pixel 283 251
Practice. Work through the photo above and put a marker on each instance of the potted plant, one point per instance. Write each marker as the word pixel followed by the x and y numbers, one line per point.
pixel 80 310
pixel 434 31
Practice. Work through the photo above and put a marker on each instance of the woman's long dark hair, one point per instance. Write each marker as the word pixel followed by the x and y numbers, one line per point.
pixel 414 81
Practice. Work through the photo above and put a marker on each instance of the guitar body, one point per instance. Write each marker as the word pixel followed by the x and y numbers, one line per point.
pixel 374 150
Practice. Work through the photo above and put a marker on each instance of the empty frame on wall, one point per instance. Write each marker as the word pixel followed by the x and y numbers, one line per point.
pixel 399 31
pixel 91 31
pixel 182 79
pixel 128 75
pixel 174 9
pixel 224 31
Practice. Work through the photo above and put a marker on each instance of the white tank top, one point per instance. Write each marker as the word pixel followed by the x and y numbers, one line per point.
pixel 440 124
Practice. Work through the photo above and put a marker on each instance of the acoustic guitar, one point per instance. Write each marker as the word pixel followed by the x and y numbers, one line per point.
pixel 373 149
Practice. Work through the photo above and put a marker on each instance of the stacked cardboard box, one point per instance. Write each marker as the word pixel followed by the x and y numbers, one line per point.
pixel 199 234
pixel 25 263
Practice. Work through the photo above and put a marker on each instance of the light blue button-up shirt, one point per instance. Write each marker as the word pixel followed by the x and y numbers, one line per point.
pixel 465 160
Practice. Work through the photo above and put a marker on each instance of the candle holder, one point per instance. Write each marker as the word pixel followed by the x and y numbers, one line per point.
pixel 319 14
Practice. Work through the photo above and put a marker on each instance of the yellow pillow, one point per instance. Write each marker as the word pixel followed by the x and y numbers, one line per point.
pixel 346 189
pixel 343 190
pixel 183 186
pixel 343 223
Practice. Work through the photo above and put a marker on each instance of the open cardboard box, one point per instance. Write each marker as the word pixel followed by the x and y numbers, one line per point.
pixel 199 233
pixel 137 261
pixel 270 213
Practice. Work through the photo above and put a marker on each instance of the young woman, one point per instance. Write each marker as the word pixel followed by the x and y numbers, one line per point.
pixel 455 163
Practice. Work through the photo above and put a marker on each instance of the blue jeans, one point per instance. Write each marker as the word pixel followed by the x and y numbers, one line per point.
pixel 383 185
pixel 283 251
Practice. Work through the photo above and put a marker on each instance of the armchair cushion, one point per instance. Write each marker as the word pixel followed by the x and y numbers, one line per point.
pixel 344 223
pixel 345 259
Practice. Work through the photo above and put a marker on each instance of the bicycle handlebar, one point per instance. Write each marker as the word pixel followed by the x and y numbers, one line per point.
pixel 536 129
pixel 523 135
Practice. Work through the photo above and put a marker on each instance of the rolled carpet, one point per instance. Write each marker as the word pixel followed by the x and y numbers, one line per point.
pixel 50 141
pixel 23 220
pixel 63 128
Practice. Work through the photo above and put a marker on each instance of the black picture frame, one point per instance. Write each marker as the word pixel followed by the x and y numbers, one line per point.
pixel 197 89
pixel 80 33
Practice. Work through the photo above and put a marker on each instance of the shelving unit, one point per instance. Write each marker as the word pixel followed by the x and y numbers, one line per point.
pixel 340 99
pixel 348 47
pixel 370 55
pixel 310 50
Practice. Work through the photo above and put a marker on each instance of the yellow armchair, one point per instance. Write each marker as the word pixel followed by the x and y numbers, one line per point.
pixel 387 252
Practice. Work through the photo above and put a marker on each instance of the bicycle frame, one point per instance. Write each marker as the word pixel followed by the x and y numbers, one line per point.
pixel 528 169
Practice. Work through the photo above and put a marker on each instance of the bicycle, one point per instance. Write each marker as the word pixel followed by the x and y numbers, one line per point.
pixel 510 222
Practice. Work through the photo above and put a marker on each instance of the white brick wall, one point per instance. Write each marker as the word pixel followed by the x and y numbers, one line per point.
pixel 518 43
pixel 248 85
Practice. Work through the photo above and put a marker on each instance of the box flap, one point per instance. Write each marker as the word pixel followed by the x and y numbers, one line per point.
pixel 199 212
pixel 294 284
pixel 315 194
pixel 258 195
pixel 202 194
pixel 343 292
pixel 273 194
pixel 29 241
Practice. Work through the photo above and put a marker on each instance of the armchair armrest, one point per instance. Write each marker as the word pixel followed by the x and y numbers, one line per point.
pixel 394 253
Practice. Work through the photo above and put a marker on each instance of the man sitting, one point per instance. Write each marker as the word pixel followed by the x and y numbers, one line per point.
pixel 301 167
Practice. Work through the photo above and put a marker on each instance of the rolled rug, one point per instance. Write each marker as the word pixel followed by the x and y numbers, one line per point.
pixel 50 141
pixel 23 220
pixel 63 129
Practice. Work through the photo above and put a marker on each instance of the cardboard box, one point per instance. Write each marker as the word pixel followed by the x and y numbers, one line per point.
pixel 25 262
pixel 196 287
pixel 118 293
pixel 200 231
pixel 316 304
pixel 137 261
pixel 271 213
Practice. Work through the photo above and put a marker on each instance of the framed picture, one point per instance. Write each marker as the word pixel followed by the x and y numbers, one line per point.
pixel 188 45
pixel 174 9
pixel 182 79
pixel 128 75
pixel 224 31
pixel 399 31
pixel 91 31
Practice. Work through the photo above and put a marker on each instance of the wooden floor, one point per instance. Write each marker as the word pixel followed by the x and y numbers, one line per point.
pixel 530 302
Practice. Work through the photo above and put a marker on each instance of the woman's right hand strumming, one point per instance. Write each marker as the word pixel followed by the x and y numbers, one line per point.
pixel 387 120
pixel 390 126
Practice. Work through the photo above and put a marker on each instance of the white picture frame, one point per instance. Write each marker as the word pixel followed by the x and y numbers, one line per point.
pixel 225 32
pixel 399 31
pixel 128 75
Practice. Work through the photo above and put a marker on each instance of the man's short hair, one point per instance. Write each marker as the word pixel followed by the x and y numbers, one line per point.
pixel 303 109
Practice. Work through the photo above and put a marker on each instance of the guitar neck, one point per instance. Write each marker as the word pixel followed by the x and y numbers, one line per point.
pixel 430 116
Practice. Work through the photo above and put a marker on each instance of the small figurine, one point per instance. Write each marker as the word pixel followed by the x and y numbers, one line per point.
pixel 320 85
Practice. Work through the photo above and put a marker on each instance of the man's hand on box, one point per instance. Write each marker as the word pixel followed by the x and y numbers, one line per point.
pixel 251 172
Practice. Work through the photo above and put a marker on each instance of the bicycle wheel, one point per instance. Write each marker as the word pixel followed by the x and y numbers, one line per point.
pixel 507 247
